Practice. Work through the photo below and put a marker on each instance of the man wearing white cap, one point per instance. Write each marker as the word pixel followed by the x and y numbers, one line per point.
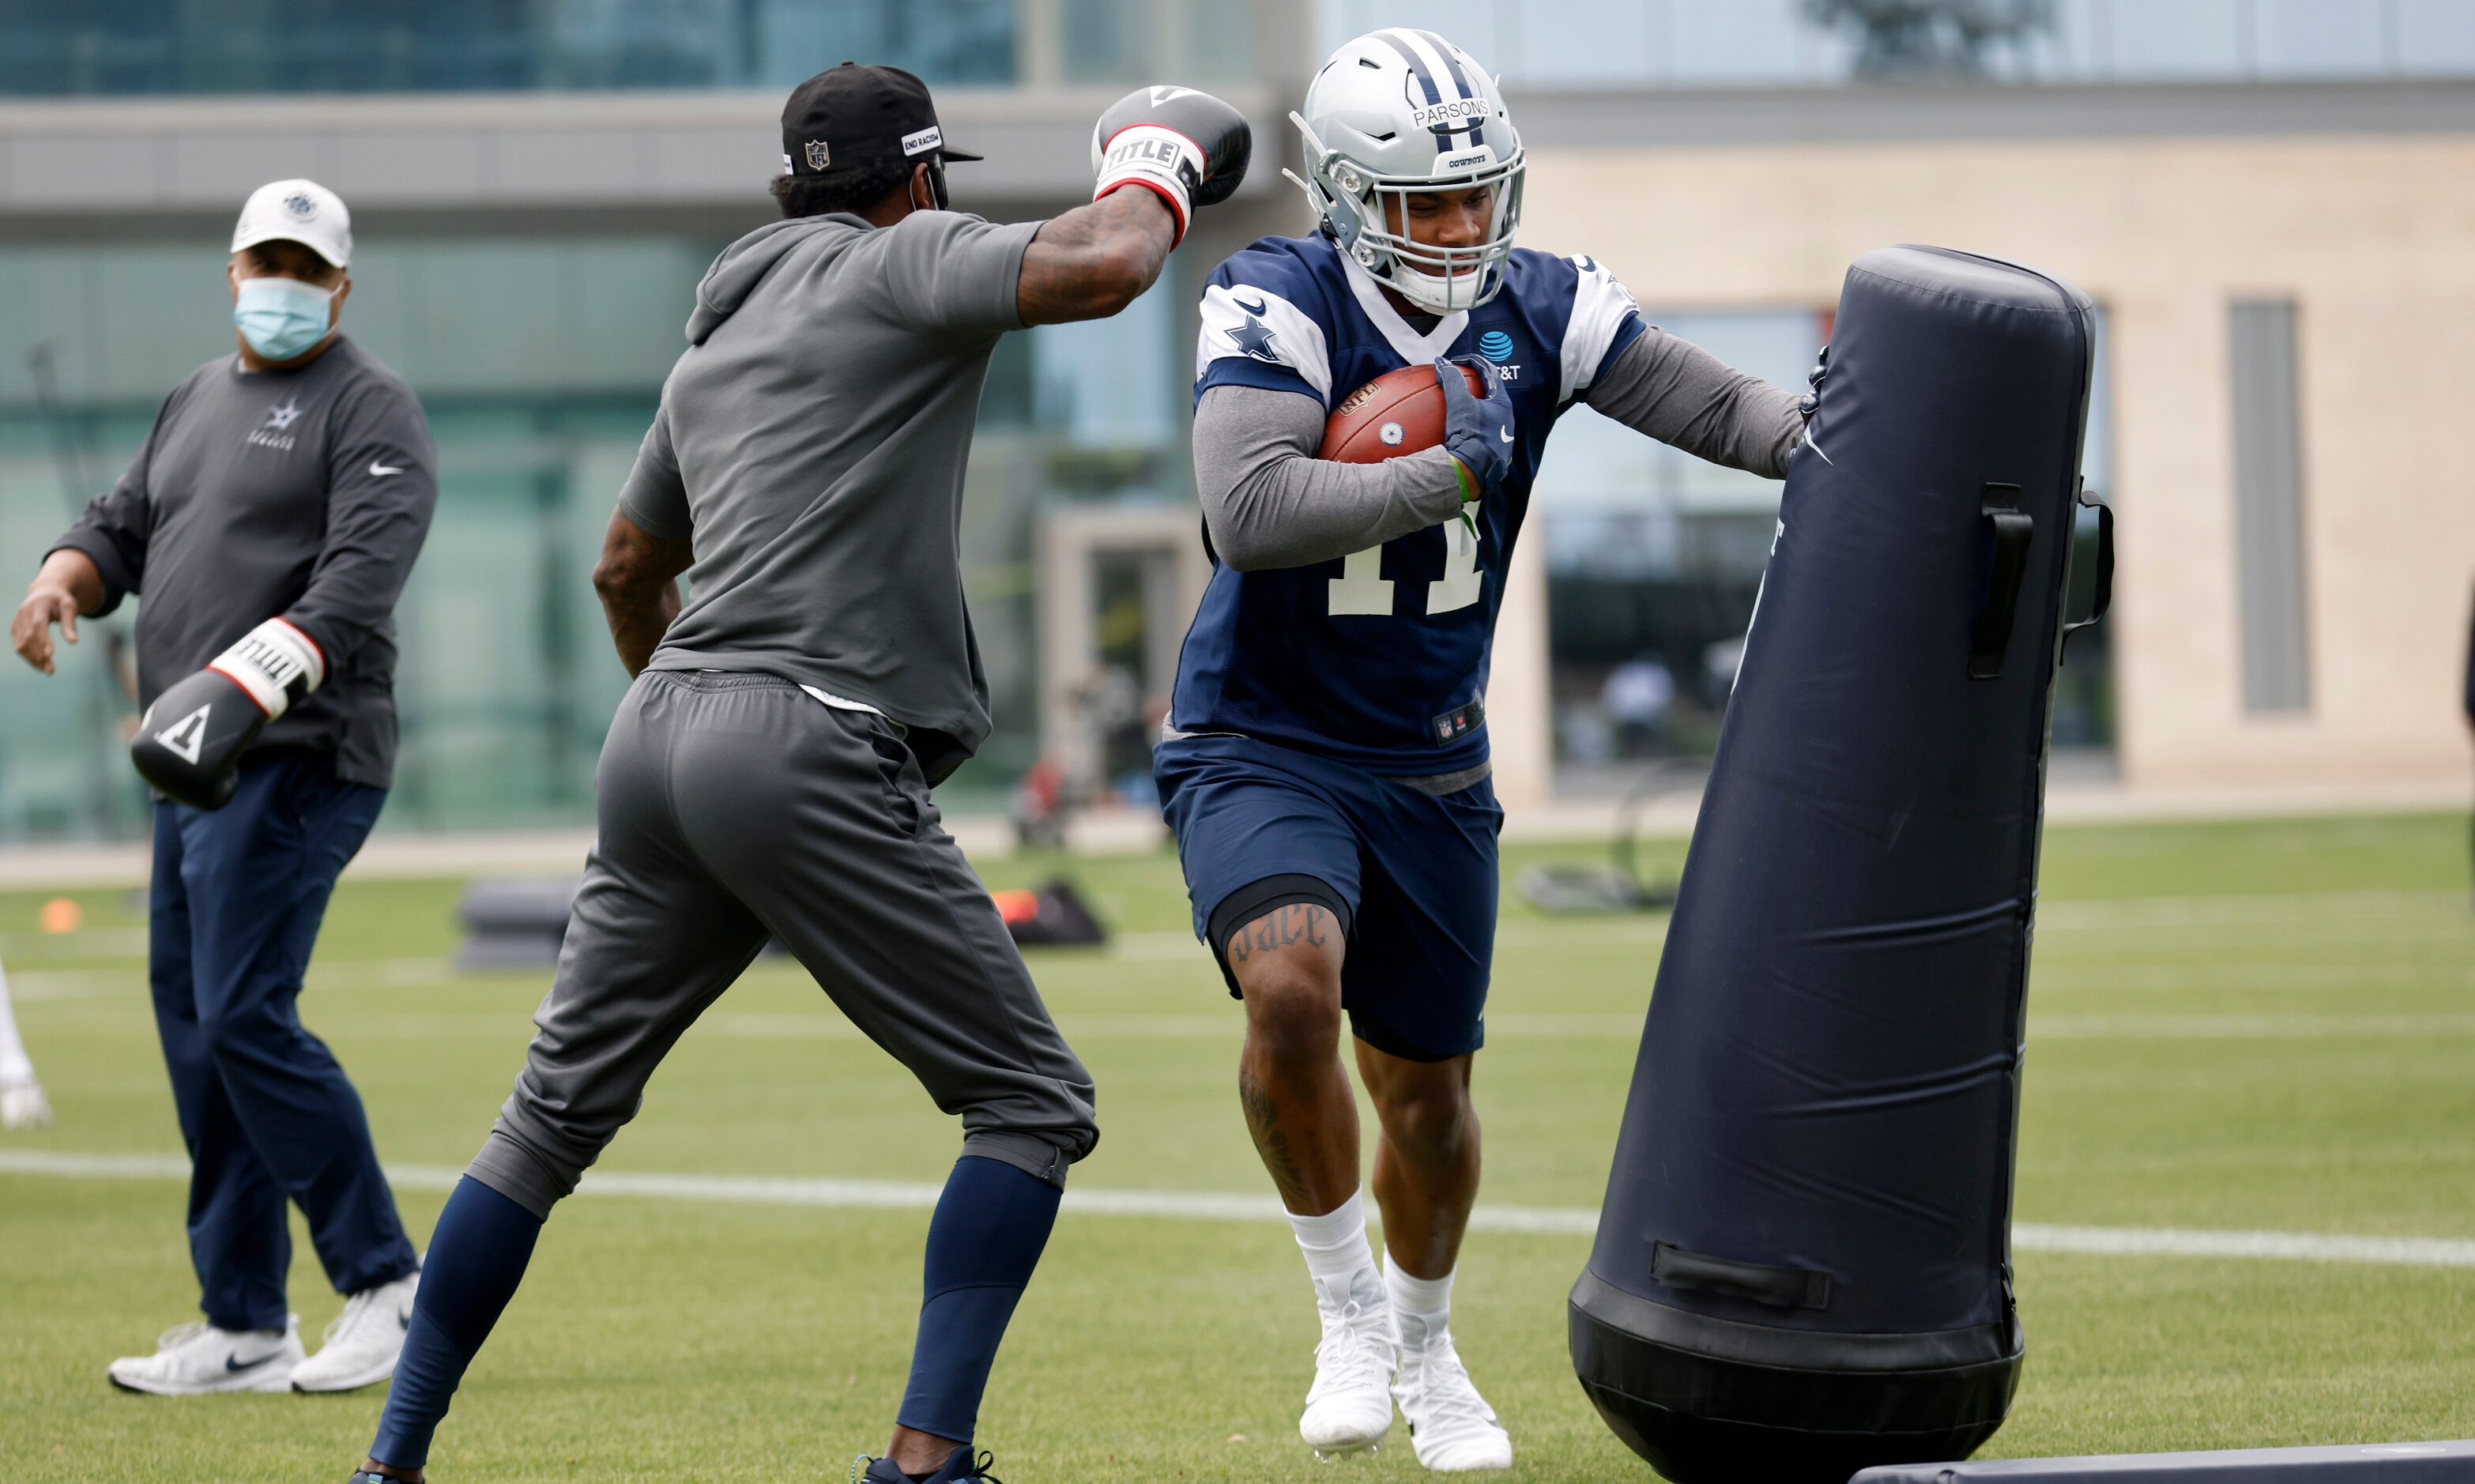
pixel 268 521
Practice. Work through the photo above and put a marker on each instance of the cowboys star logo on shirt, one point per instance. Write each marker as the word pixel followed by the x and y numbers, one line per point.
pixel 1254 338
pixel 275 432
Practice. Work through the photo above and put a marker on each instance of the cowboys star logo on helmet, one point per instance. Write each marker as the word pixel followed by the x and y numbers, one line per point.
pixel 1402 112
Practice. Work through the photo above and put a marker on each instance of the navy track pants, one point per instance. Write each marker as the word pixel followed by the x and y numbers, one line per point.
pixel 267 1114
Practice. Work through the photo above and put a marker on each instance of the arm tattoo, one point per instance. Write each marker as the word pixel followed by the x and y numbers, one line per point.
pixel 640 595
pixel 1080 262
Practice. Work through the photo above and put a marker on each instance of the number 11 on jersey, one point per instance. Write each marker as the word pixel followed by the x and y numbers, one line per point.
pixel 1362 588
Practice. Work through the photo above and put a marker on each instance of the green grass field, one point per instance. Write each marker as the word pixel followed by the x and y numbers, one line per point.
pixel 2239 1026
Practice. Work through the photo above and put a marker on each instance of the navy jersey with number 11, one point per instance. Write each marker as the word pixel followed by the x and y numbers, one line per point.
pixel 1380 658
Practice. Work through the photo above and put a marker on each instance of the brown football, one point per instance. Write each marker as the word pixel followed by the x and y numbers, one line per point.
pixel 1398 412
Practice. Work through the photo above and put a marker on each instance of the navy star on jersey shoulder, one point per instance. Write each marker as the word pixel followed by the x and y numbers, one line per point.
pixel 1381 658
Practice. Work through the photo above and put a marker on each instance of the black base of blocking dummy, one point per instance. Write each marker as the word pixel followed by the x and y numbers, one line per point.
pixel 2369 1463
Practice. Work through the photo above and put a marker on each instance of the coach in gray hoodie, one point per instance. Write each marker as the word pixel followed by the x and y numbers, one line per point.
pixel 767 775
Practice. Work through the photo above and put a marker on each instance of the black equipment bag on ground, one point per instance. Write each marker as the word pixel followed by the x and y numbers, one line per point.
pixel 1802 1265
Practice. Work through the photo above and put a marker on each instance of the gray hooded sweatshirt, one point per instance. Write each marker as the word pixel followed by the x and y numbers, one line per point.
pixel 810 447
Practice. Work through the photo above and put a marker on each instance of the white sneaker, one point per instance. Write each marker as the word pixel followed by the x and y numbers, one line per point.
pixel 362 1343
pixel 1451 1427
pixel 22 1104
pixel 1348 1409
pixel 195 1359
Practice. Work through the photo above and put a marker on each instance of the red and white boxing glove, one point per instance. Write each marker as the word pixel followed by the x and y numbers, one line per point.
pixel 1188 146
pixel 190 743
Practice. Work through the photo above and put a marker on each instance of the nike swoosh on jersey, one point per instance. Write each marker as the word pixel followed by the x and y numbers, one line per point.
pixel 380 469
pixel 1504 432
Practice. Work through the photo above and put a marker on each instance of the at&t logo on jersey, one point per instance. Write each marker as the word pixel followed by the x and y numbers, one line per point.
pixel 1497 347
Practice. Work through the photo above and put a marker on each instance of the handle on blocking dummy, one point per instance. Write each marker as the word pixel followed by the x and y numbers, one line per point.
pixel 2104 596
pixel 2013 529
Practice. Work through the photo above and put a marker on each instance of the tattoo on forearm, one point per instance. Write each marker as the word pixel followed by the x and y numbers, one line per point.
pixel 637 578
pixel 1292 923
pixel 1055 282
pixel 637 624
pixel 1264 1122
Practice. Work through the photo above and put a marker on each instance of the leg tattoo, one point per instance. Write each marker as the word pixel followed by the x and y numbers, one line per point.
pixel 1264 1122
pixel 1282 927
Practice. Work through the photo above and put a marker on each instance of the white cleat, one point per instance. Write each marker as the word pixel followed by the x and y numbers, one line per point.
pixel 1452 1429
pixel 363 1342
pixel 22 1104
pixel 196 1360
pixel 1349 1409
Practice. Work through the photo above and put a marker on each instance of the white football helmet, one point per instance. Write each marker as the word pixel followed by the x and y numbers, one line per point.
pixel 1398 112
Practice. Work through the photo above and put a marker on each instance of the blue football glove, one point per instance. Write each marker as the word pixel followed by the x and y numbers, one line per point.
pixel 1478 431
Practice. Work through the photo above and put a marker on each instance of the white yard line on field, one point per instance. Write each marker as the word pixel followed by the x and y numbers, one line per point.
pixel 1207 1205
pixel 75 984
pixel 2246 1028
pixel 342 975
pixel 2183 912
pixel 2085 975
pixel 1623 1029
pixel 85 943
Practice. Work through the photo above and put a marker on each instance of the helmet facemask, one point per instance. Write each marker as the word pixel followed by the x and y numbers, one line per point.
pixel 1357 204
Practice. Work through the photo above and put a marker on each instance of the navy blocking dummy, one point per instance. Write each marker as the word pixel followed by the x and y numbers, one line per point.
pixel 1803 1268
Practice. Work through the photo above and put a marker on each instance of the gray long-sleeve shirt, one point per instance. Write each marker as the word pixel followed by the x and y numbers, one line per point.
pixel 1270 503
pixel 301 494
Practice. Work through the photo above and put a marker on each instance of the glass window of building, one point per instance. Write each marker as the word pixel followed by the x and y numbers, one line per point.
pixel 1654 560
pixel 1722 43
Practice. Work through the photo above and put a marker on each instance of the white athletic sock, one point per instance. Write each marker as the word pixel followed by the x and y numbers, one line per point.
pixel 1338 1257
pixel 1423 1305
pixel 13 1065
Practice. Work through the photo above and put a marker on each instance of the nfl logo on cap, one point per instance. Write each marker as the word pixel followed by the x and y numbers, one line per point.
pixel 819 154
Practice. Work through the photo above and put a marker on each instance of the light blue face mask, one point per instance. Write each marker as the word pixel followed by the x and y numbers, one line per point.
pixel 281 317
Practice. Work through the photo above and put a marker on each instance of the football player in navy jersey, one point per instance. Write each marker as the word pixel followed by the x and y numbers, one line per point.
pixel 1325 760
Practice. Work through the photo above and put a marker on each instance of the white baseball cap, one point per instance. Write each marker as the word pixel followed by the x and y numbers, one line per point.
pixel 301 211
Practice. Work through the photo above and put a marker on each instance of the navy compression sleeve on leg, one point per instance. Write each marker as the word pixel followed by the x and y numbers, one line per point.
pixel 985 1239
pixel 476 1258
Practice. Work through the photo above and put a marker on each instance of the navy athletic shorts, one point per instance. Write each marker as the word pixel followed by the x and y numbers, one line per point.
pixel 1410 876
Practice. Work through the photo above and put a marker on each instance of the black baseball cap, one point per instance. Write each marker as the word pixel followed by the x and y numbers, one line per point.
pixel 852 115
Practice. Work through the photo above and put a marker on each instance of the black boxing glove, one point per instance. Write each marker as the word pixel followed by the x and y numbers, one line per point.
pixel 190 743
pixel 1188 146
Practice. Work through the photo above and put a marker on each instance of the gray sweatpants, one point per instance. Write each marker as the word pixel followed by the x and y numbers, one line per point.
pixel 733 807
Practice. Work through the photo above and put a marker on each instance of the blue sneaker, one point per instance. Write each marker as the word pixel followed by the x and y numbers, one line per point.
pixel 960 1467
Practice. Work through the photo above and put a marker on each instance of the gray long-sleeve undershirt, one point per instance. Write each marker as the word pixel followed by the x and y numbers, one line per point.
pixel 1270 503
